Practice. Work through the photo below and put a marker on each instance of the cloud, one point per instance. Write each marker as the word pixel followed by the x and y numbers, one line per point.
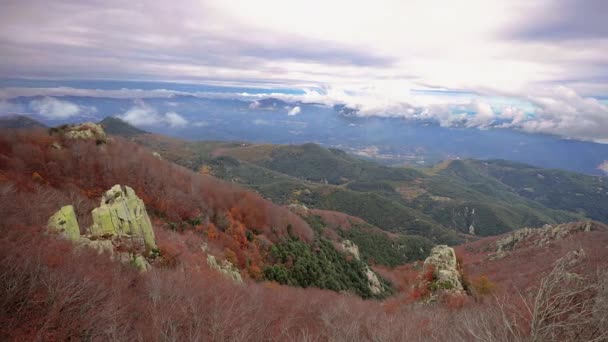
pixel 175 120
pixel 557 110
pixel 282 48
pixel 53 108
pixel 604 167
pixel 254 104
pixel 564 19
pixel 548 58
pixel 561 111
pixel 141 114
pixel 294 111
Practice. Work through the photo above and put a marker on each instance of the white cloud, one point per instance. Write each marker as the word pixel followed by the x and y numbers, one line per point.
pixel 254 105
pixel 53 108
pixel 294 111
pixel 175 120
pixel 141 114
pixel 561 111
pixel 604 167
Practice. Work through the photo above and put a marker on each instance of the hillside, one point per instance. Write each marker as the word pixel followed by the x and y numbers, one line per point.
pixel 221 257
pixel 459 197
pixel 115 126
pixel 555 189
pixel 260 238
pixel 19 121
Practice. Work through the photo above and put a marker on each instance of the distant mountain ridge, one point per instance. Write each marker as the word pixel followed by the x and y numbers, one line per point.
pixel 17 121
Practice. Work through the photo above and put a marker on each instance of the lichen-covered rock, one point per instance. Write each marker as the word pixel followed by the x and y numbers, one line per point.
pixel 65 223
pixel 100 246
pixel 119 223
pixel 141 263
pixel 122 213
pixel 226 267
pixel 443 263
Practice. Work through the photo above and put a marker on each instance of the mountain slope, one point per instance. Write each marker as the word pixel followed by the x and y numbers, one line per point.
pixel 461 196
pixel 19 121
pixel 115 126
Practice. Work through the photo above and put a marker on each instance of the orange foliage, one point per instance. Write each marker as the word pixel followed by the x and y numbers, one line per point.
pixel 482 285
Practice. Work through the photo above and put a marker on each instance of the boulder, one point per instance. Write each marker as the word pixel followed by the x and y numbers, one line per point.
pixel 226 268
pixel 65 223
pixel 442 262
pixel 123 214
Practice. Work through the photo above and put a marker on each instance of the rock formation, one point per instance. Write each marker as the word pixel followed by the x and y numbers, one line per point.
pixel 351 248
pixel 123 214
pixel 541 236
pixel 65 223
pixel 85 131
pixel 226 268
pixel 120 220
pixel 374 284
pixel 442 262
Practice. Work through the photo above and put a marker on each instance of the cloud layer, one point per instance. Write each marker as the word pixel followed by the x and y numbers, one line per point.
pixel 55 109
pixel 539 66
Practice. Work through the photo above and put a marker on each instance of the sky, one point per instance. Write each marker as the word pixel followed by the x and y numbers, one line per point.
pixel 537 66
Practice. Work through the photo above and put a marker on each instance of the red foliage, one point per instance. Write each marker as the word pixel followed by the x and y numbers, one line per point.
pixel 30 164
pixel 51 291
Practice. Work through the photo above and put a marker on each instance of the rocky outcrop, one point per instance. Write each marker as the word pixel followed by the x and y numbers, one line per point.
pixel 84 131
pixel 119 223
pixel 226 268
pixel 64 222
pixel 373 282
pixel 541 236
pixel 442 262
pixel 350 248
pixel 123 214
